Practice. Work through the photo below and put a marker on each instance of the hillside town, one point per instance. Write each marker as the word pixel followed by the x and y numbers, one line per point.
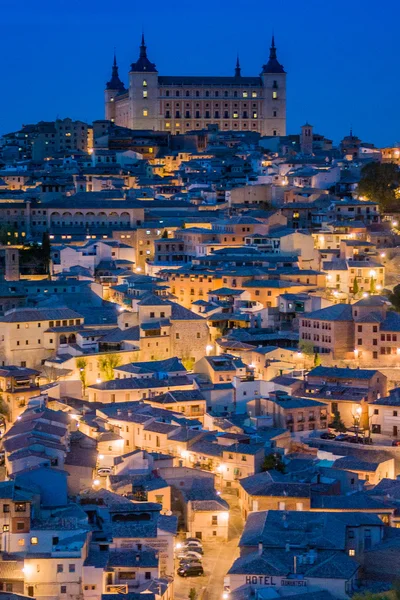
pixel 199 351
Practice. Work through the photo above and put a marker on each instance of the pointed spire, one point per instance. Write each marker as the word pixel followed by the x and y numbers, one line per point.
pixel 237 68
pixel 143 64
pixel 272 51
pixel 273 65
pixel 115 83
pixel 143 49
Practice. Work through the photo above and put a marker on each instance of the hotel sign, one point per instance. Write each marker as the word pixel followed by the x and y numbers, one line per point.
pixel 270 581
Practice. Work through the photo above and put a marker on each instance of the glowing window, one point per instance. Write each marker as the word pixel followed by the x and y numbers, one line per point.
pixel 274 95
pixel 144 83
pixel 254 94
pixel 245 95
pixel 144 93
pixel 145 112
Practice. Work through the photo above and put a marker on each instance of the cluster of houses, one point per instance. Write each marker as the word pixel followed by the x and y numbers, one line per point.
pixel 209 353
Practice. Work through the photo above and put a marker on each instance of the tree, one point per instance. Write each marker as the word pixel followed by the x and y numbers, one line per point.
pixel 372 286
pixel 192 594
pixel 273 462
pixel 188 361
pixel 356 289
pixel 379 182
pixel 306 347
pixel 107 364
pixel 81 364
pixel 337 422
pixel 4 408
pixel 394 297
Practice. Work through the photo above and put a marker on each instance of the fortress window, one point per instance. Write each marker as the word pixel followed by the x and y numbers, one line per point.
pixel 274 95
pixel 226 94
pixel 274 132
pixel 207 94
pixel 145 112
pixel 187 92
pixel 254 94
pixel 216 94
pixel 177 93
pixel 235 94
pixel 167 125
pixel 245 95
pixel 235 114
pixel 275 85
pixel 144 83
pixel 167 93
pixel 197 94
pixel 254 115
pixel 144 93
pixel 275 113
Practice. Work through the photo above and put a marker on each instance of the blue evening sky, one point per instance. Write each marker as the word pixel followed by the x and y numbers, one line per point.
pixel 342 56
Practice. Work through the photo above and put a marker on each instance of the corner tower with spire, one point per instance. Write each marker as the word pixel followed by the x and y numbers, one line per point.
pixel 274 95
pixel 143 92
pixel 114 89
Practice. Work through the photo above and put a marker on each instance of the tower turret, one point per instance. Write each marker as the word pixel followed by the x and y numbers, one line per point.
pixel 306 139
pixel 113 87
pixel 274 95
pixel 143 92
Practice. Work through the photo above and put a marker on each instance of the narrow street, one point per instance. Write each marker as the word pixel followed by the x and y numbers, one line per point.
pixel 218 557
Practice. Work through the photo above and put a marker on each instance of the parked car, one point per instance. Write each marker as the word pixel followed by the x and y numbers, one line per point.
pixel 194 540
pixel 327 435
pixel 396 443
pixel 104 471
pixel 343 437
pixel 190 571
pixel 193 562
pixel 193 548
pixel 189 554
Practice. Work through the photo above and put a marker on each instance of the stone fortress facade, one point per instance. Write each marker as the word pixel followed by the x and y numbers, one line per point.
pixel 188 103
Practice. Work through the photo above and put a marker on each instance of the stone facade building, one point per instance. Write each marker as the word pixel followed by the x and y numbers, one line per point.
pixel 180 104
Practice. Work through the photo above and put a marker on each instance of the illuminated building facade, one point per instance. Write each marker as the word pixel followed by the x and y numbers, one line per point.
pixel 179 104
